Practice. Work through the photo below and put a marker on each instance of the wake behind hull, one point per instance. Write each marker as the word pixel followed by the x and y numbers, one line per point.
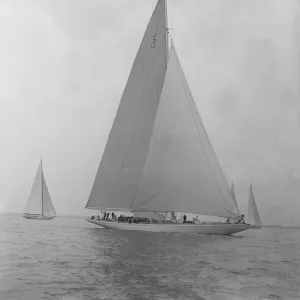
pixel 207 229
pixel 37 217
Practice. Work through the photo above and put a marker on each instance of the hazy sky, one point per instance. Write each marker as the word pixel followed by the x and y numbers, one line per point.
pixel 64 65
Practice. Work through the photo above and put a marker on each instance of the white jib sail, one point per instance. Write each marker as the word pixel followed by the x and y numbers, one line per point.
pixel 234 198
pixel 253 215
pixel 48 208
pixel 182 172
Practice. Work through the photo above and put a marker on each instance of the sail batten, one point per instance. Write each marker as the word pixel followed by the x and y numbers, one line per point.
pixel 120 171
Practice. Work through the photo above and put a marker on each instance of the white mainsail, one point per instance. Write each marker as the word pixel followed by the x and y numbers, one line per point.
pixel 158 157
pixel 234 198
pixel 39 202
pixel 253 215
pixel 118 178
pixel 34 203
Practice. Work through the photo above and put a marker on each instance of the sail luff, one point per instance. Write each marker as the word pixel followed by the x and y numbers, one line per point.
pixel 180 155
pixel 120 171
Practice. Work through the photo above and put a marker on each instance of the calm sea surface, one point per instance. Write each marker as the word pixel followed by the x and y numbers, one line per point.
pixel 68 258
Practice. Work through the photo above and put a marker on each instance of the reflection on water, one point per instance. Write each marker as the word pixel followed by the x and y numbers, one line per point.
pixel 68 258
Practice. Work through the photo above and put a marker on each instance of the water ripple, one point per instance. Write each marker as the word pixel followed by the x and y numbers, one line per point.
pixel 71 259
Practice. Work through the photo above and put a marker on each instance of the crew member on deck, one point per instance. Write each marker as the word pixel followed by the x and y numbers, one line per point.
pixel 184 218
pixel 243 219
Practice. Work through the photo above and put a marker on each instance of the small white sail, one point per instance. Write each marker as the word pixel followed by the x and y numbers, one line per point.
pixel 253 215
pixel 182 172
pixel 118 178
pixel 39 202
pixel 34 203
pixel 48 208
pixel 234 198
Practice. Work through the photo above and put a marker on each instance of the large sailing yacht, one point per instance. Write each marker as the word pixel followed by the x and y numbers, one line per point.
pixel 158 157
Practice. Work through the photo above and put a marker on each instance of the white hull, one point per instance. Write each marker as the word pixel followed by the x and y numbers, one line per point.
pixel 37 217
pixel 208 229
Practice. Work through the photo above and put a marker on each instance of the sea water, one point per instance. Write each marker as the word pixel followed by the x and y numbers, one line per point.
pixel 68 258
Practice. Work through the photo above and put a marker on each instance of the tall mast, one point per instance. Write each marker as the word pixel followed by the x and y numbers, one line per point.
pixel 167 29
pixel 42 186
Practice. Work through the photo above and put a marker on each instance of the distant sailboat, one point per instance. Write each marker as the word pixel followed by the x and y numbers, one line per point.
pixel 39 205
pixel 234 198
pixel 158 157
pixel 253 216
